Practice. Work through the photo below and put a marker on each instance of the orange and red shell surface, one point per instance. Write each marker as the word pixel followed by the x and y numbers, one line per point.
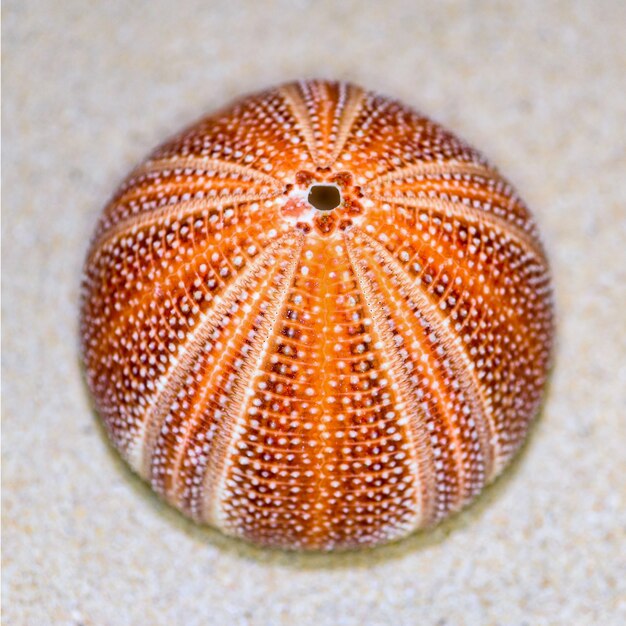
pixel 316 319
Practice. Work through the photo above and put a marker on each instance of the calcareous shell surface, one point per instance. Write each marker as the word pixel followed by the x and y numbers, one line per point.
pixel 316 319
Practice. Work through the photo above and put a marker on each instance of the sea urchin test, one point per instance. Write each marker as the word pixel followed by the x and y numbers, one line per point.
pixel 316 319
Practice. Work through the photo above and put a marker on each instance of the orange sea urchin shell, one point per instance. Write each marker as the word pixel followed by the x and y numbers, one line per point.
pixel 316 319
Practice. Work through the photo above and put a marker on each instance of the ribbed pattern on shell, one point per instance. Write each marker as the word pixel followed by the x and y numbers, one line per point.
pixel 316 379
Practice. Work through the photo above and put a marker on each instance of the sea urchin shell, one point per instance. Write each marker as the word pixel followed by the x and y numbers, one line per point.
pixel 316 319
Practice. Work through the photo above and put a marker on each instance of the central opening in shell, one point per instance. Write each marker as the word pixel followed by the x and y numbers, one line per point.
pixel 324 197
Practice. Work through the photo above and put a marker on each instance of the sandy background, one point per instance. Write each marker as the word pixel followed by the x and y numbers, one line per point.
pixel 90 87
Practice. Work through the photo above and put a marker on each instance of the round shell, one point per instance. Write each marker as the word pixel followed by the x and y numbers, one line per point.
pixel 316 319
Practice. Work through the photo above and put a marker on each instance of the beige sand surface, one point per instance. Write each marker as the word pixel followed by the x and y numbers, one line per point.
pixel 90 87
